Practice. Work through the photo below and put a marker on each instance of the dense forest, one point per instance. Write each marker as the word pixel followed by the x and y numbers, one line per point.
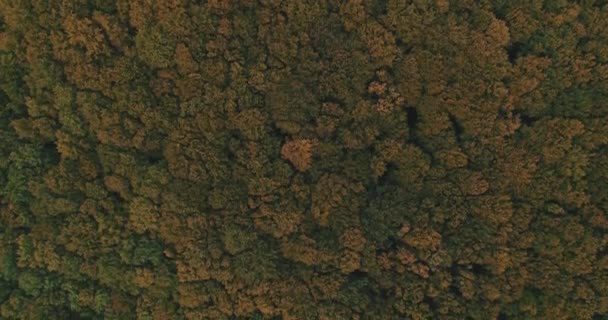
pixel 313 159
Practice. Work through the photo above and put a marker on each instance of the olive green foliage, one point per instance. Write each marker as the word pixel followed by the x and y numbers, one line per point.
pixel 265 159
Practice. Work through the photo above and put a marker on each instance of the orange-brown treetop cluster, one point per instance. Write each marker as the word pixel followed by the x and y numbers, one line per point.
pixel 268 159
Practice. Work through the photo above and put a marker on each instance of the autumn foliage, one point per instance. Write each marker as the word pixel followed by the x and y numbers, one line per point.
pixel 265 159
pixel 299 153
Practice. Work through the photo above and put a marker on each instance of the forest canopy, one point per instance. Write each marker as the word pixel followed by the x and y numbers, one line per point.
pixel 327 159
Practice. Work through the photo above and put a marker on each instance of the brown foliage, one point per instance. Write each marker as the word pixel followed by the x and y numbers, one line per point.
pixel 303 159
pixel 299 153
